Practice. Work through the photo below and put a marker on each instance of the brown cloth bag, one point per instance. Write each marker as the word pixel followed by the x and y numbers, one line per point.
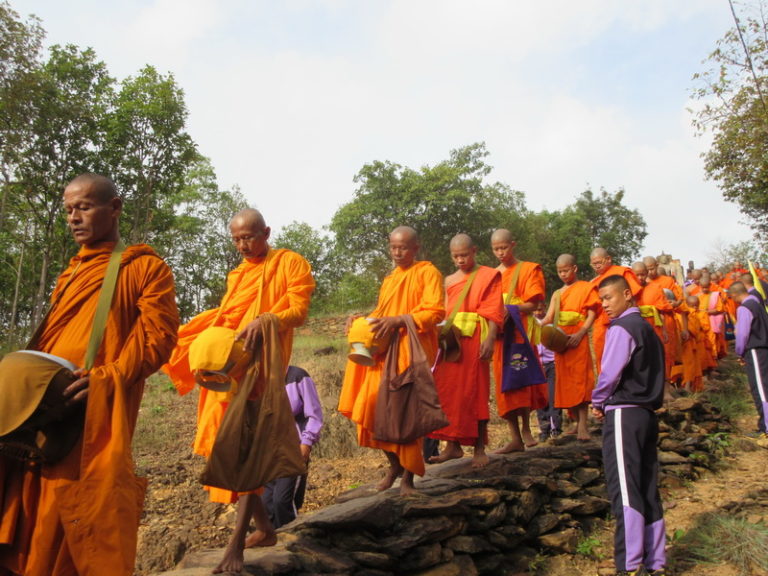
pixel 257 440
pixel 407 405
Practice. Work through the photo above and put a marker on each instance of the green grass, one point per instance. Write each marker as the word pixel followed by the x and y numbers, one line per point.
pixel 721 538
pixel 731 394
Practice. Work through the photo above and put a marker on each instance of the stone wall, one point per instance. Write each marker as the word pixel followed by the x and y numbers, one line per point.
pixel 466 521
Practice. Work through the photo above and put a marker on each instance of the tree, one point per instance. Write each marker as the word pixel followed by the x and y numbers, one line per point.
pixel 723 256
pixel 591 221
pixel 148 150
pixel 438 201
pixel 735 109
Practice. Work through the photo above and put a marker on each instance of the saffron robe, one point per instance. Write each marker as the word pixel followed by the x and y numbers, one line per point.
pixel 652 304
pixel 82 513
pixel 464 386
pixel 530 288
pixel 280 283
pixel 418 291
pixel 575 367
pixel 600 327
pixel 673 343
pixel 712 301
pixel 692 373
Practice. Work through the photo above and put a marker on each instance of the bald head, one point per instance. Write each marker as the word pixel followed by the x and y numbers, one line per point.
pixel 103 189
pixel 641 272
pixel 251 218
pixel 565 260
pixel 738 291
pixel 600 260
pixel 502 235
pixel 403 246
pixel 746 279
pixel 461 241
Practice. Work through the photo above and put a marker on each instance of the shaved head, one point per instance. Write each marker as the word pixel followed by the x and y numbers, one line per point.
pixel 639 266
pixel 102 187
pixel 461 241
pixel 650 261
pixel 406 234
pixel 565 260
pixel 599 253
pixel 502 235
pixel 600 260
pixel 738 291
pixel 250 218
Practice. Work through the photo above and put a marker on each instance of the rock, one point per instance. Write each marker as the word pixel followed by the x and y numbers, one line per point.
pixel 564 541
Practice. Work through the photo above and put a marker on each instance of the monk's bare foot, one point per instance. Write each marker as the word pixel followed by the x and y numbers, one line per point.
pixel 406 484
pixel 572 430
pixel 528 439
pixel 583 437
pixel 260 538
pixel 511 447
pixel 480 460
pixel 448 453
pixel 389 479
pixel 232 561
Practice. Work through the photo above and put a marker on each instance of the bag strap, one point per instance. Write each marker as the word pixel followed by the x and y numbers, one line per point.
pixel 513 282
pixel 459 302
pixel 556 302
pixel 104 304
pixel 514 314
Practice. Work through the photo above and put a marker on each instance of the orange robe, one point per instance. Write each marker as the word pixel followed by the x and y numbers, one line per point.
pixel 464 386
pixel 575 368
pixel 600 327
pixel 712 301
pixel 418 291
pixel 707 356
pixel 280 283
pixel 652 302
pixel 92 496
pixel 530 288
pixel 692 354
pixel 673 344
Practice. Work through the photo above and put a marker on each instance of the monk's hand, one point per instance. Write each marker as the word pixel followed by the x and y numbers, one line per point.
pixel 574 339
pixel 598 414
pixel 486 348
pixel 684 335
pixel 77 392
pixel 251 334
pixel 351 319
pixel 381 327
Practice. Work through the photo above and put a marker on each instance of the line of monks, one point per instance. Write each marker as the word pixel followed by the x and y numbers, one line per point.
pixel 691 319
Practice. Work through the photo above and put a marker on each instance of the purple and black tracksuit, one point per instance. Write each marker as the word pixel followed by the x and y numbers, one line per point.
pixel 629 388
pixel 752 344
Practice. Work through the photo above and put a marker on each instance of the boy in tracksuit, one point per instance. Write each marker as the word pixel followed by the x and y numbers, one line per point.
pixel 752 345
pixel 629 388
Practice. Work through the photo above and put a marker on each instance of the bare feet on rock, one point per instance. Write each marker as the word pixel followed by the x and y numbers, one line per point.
pixel 510 447
pixel 388 480
pixel 450 452
pixel 260 538
pixel 480 460
pixel 232 561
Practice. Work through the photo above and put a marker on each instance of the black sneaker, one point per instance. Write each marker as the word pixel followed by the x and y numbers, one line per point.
pixel 636 572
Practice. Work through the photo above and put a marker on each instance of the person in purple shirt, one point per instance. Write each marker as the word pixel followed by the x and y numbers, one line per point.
pixel 629 388
pixel 550 418
pixel 752 344
pixel 284 497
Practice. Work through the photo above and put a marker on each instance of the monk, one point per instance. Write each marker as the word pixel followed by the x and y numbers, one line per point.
pixel 464 386
pixel 602 263
pixel 694 349
pixel 523 286
pixel 266 281
pixel 81 514
pixel 711 300
pixel 573 309
pixel 412 288
pixel 674 293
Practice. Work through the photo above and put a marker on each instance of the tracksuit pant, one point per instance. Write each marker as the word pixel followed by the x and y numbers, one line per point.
pixel 757 373
pixel 631 474
pixel 283 498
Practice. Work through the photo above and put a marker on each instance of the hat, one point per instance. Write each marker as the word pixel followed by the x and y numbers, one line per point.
pixel 35 421
pixel 217 358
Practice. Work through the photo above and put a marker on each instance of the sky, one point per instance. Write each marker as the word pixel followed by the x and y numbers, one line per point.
pixel 290 98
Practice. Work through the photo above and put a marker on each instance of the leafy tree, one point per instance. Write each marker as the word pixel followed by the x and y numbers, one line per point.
pixel 438 201
pixel 734 108
pixel 723 256
pixel 148 150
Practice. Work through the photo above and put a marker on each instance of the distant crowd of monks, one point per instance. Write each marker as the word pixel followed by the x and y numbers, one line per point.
pixel 692 316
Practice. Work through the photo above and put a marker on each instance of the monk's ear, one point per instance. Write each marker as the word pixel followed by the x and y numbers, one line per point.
pixel 575 269
pixel 267 232
pixel 117 205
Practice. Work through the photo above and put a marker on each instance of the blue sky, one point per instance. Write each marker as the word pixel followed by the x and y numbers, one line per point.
pixel 290 98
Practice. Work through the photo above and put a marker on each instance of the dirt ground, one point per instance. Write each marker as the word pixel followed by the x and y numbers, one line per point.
pixel 178 519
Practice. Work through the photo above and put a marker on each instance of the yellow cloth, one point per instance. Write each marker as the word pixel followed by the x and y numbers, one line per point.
pixel 467 322
pixel 649 311
pixel 568 318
